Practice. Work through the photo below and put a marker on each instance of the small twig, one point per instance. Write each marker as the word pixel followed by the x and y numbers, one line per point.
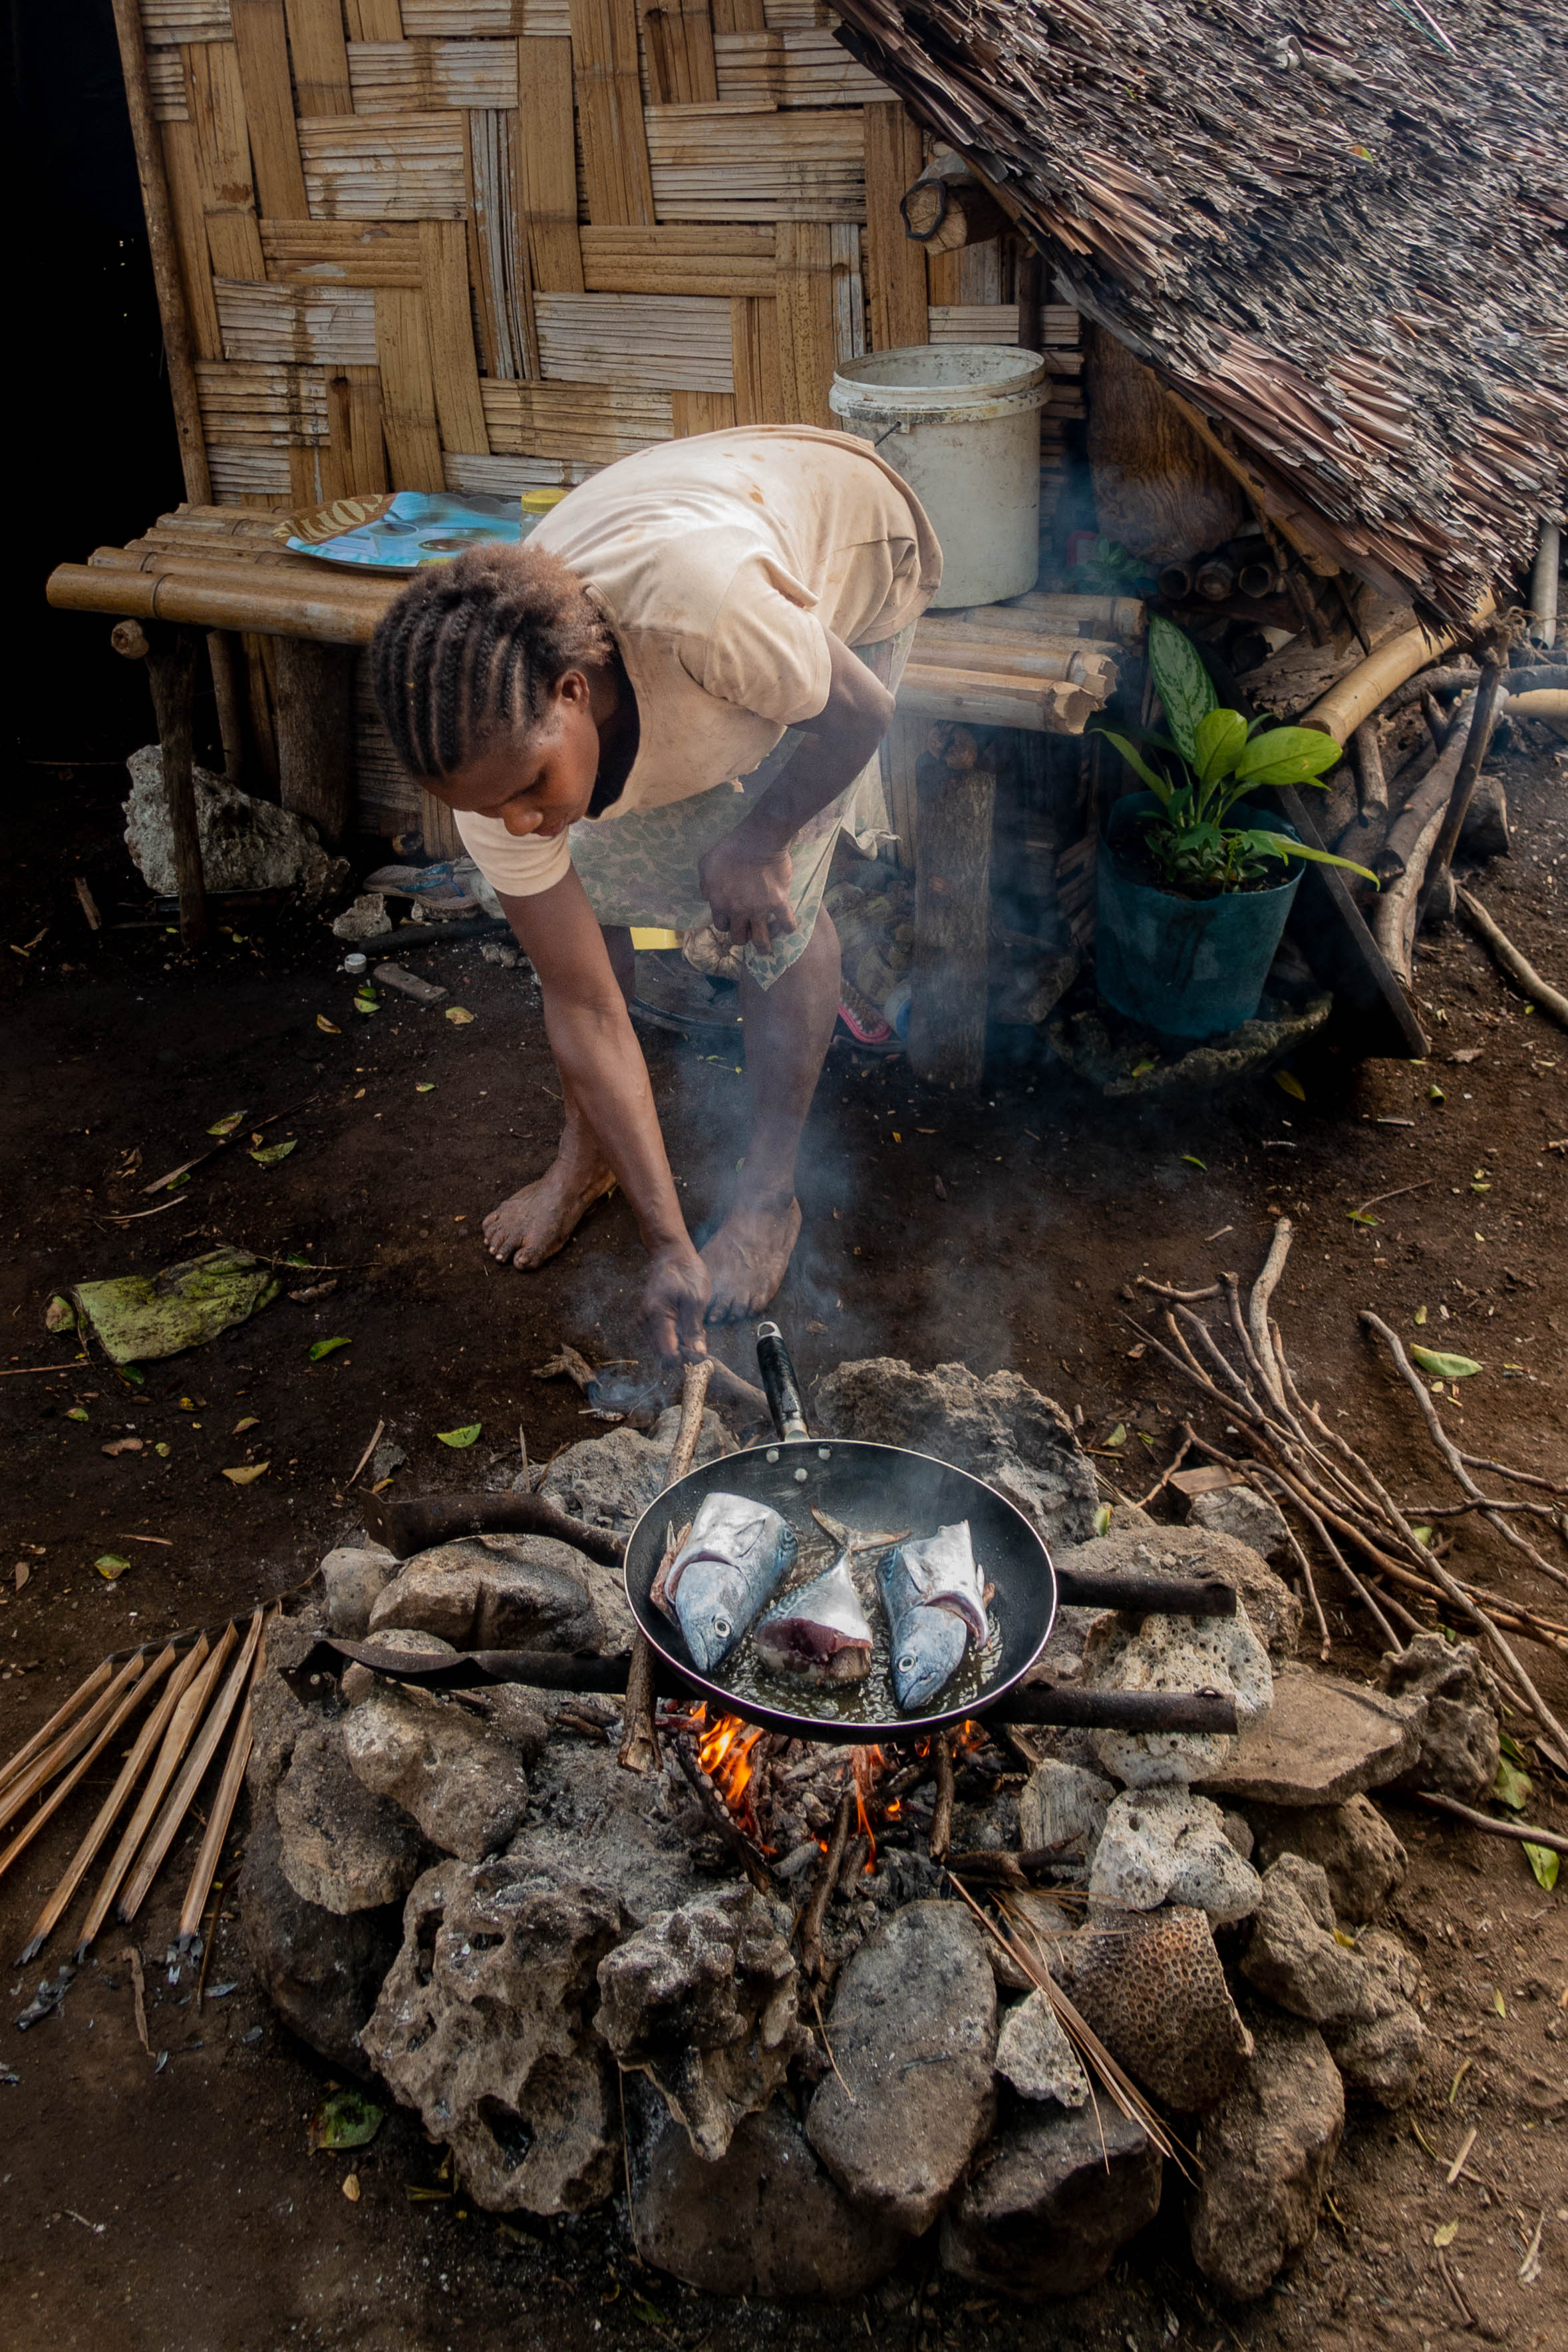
pixel 942 1815
pixel 1304 1564
pixel 1183 1297
pixel 1540 991
pixel 719 1812
pixel 1398 1193
pixel 822 2030
pixel 1518 1830
pixel 20 1371
pixel 1462 2159
pixel 1524 1477
pixel 1178 1458
pixel 139 1994
pixel 375 1440
pixel 1460 2304
pixel 1258 1308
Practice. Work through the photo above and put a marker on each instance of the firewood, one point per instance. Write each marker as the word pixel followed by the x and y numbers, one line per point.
pixel 639 1749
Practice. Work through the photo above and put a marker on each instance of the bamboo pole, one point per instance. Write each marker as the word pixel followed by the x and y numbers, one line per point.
pixel 61 1716
pixel 68 1746
pixel 176 1738
pixel 160 1837
pixel 1355 698
pixel 82 1860
pixel 63 1787
pixel 287 608
pixel 1544 585
pixel 163 250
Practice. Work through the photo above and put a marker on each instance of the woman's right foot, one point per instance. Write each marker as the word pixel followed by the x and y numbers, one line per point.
pixel 543 1218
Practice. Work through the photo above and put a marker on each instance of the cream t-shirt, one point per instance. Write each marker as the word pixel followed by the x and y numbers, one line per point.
pixel 721 561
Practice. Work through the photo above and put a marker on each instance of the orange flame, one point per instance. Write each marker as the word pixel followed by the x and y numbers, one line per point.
pixel 725 1755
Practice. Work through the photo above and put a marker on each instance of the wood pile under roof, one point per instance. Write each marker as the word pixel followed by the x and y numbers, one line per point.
pixel 1344 240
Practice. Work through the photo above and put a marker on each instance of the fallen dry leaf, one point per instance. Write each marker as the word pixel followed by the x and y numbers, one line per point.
pixel 125 1445
pixel 458 1014
pixel 248 1476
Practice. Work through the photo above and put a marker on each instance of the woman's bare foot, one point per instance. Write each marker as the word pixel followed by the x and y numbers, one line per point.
pixel 543 1218
pixel 749 1256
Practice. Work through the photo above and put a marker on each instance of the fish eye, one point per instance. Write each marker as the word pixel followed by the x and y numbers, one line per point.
pixel 907 1663
pixel 721 1626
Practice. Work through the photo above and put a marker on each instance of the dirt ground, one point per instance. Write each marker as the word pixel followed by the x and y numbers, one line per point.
pixel 177 2210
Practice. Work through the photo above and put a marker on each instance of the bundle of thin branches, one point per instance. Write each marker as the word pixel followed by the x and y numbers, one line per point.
pixel 178 1741
pixel 1020 1942
pixel 1315 1472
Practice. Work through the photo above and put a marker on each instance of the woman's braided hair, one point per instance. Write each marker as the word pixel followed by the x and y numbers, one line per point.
pixel 470 652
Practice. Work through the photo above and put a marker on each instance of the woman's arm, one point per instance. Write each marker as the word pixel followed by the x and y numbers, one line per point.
pixel 745 877
pixel 601 1063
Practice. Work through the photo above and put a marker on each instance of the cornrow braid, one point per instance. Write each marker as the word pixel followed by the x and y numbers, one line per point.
pixel 472 649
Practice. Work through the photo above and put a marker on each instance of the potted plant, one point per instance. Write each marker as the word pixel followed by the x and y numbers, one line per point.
pixel 1194 881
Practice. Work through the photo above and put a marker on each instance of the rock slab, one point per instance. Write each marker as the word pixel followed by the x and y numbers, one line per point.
pixel 913 2031
pixel 1152 1988
pixel 494 1592
pixel 764 2220
pixel 1175 1653
pixel 460 1782
pixel 1051 2201
pixel 246 844
pixel 341 1848
pixel 1266 2150
pixel 1034 2054
pixel 1245 1515
pixel 485 2026
pixel 1459 1744
pixel 1323 1740
pixel 1139 1547
pixel 1000 1429
pixel 1166 1845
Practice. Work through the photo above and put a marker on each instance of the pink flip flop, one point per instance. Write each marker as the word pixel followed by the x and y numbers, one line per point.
pixel 875 1032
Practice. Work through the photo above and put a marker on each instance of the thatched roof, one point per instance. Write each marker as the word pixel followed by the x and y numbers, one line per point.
pixel 1340 233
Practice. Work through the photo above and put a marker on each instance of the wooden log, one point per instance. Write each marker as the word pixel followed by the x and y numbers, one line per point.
pixel 1157 489
pixel 1524 974
pixel 1544 585
pixel 164 252
pixel 1356 697
pixel 895 269
pixel 944 214
pixel 1475 745
pixel 315 692
pixel 950 972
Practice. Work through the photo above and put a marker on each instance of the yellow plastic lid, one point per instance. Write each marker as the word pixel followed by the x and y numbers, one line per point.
pixel 541 501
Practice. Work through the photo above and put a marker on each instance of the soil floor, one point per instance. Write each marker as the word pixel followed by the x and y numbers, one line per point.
pixel 178 2209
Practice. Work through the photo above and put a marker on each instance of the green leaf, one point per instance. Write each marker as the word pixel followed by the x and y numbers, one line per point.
pixel 1511 1750
pixel 1543 1861
pixel 649 2313
pixel 1181 682
pixel 1103 1519
pixel 320 1347
pixel 424 1085
pixel 345 2119
pixel 1512 1787
pixel 297 1258
pixel 1221 738
pixel 59 1315
pixel 1282 845
pixel 110 1565
pixel 1140 766
pixel 1287 755
pixel 1444 1368
pixel 1118 1436
pixel 132 1375
pixel 79 1413
pixel 459 1438
pixel 226 1126
pixel 1360 1217
pixel 270 1154
pixel 1290 1085
pixel 1193 1161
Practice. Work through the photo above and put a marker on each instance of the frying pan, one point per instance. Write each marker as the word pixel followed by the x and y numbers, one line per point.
pixel 867 1487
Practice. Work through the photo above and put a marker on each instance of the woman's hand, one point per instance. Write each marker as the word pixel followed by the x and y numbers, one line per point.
pixel 747 887
pixel 674 1300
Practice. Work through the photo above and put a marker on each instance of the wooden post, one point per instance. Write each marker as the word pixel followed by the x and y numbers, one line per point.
pixel 171 659
pixel 950 974
pixel 164 250
pixel 314 687
pixel 222 652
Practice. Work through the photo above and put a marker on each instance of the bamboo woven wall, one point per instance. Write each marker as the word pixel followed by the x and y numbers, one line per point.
pixel 491 245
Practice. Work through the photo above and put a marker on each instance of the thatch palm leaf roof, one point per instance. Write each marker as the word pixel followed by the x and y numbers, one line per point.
pixel 1343 236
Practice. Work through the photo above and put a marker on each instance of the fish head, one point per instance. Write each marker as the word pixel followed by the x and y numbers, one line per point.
pixel 927 1651
pixel 709 1608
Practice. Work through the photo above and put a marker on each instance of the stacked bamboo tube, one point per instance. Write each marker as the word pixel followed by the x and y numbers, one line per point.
pixel 805 68
pixel 195 1704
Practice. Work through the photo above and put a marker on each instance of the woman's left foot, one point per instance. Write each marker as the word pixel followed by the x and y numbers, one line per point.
pixel 748 1257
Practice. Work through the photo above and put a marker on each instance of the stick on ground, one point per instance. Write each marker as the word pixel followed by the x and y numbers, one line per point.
pixel 1551 1000
pixel 639 1749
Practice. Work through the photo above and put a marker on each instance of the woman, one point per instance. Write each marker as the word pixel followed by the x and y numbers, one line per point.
pixel 656 711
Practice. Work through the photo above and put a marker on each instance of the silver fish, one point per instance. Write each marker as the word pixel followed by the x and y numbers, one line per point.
pixel 729 1565
pixel 934 1597
pixel 820 1632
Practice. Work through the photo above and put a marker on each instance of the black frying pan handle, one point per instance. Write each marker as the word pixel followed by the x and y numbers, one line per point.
pixel 779 1385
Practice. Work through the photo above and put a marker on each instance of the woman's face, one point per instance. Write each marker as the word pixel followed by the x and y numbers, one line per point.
pixel 543 784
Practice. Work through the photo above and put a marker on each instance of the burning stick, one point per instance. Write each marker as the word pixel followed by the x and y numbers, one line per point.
pixel 827 1879
pixel 638 1751
pixel 713 1804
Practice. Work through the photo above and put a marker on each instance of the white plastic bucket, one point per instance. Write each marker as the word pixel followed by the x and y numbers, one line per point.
pixel 961 423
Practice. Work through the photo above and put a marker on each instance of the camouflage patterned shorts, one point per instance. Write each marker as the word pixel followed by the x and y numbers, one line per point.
pixel 642 869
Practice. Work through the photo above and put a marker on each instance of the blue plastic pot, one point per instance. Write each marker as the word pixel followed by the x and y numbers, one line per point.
pixel 1186 967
